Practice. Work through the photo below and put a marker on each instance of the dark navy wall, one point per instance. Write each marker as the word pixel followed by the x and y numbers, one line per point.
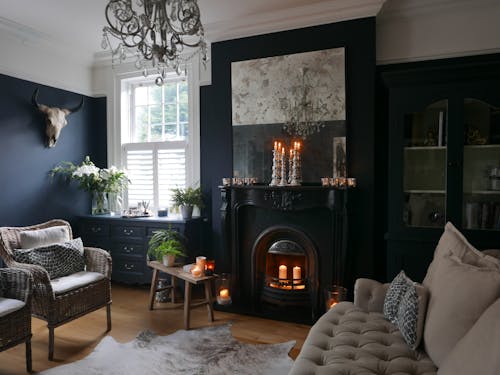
pixel 358 38
pixel 27 195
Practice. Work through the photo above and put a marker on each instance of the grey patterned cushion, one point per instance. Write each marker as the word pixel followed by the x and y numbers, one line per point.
pixel 407 317
pixel 59 259
pixel 395 293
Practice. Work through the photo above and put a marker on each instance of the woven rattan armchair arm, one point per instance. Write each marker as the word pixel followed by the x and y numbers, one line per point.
pixel 39 277
pixel 98 260
pixel 18 283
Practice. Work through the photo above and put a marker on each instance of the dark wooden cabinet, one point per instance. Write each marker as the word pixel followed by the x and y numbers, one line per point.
pixel 127 241
pixel 444 157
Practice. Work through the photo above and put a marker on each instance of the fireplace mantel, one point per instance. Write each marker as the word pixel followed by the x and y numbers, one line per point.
pixel 320 213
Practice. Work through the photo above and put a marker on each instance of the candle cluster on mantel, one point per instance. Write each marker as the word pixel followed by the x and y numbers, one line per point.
pixel 279 169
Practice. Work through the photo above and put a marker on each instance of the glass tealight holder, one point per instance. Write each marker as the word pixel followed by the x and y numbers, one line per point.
pixel 334 295
pixel 210 267
pixel 223 289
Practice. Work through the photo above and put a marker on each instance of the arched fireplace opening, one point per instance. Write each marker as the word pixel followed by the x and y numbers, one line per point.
pixel 285 272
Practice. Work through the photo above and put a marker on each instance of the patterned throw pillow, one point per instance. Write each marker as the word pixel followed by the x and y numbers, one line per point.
pixel 407 317
pixel 394 294
pixel 59 259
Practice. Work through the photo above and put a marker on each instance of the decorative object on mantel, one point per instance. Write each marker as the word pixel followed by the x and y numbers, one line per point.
pixel 166 36
pixel 165 245
pixel 186 199
pixel 339 182
pixel 55 118
pixel 279 175
pixel 100 182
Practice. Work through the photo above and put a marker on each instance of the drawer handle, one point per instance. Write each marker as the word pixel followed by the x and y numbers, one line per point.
pixel 127 232
pixel 127 249
pixel 95 229
pixel 129 267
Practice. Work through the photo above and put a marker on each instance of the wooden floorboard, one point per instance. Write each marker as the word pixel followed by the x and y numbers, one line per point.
pixel 130 315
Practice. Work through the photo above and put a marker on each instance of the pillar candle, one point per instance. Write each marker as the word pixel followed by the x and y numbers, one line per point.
pixel 282 272
pixel 296 275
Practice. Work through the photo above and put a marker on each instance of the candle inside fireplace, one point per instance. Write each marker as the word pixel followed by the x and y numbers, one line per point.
pixel 296 275
pixel 282 272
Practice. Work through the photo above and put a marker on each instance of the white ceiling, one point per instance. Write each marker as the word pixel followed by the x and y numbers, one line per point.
pixel 80 22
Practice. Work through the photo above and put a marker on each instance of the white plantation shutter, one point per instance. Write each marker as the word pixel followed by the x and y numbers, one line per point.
pixel 154 168
pixel 140 168
pixel 171 173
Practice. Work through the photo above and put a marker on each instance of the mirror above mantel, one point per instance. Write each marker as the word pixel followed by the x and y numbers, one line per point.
pixel 291 98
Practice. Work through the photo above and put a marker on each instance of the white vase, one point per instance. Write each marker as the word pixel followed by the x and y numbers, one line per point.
pixel 169 260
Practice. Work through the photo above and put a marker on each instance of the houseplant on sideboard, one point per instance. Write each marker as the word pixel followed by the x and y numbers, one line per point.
pixel 186 199
pixel 165 245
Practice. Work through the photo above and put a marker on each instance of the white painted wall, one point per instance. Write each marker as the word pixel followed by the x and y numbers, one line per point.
pixel 413 30
pixel 31 57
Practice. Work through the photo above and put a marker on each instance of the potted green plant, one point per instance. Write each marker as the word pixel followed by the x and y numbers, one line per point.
pixel 165 245
pixel 186 199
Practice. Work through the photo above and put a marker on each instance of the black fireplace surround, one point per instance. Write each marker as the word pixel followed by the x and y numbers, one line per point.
pixel 303 228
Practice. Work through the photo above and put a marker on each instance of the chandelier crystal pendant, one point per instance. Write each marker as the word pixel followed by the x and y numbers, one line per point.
pixel 165 36
pixel 304 117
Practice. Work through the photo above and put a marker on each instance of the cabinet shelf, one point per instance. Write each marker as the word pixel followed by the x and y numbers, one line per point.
pixel 483 192
pixel 479 147
pixel 423 191
pixel 424 148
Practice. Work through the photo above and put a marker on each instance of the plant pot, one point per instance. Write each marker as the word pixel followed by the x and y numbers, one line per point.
pixel 169 260
pixel 186 212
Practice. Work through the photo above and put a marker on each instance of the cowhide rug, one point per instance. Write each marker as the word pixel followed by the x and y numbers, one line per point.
pixel 206 351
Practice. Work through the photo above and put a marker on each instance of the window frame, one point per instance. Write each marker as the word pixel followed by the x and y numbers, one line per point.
pixel 119 120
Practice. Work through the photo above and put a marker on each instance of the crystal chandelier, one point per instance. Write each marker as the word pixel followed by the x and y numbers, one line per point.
pixel 303 118
pixel 165 36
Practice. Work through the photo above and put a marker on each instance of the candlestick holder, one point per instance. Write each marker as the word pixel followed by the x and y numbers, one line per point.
pixel 274 173
pixel 283 179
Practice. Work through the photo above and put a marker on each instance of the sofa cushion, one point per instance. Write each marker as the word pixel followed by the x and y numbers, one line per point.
pixel 9 305
pixel 59 259
pixel 411 314
pixel 395 293
pixel 66 283
pixel 459 293
pixel 348 340
pixel 452 242
pixel 479 350
pixel 43 237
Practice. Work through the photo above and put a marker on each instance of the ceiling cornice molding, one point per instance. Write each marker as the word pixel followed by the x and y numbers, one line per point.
pixel 402 10
pixel 32 37
pixel 293 18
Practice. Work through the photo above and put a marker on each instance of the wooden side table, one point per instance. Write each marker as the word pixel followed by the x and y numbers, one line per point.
pixel 177 272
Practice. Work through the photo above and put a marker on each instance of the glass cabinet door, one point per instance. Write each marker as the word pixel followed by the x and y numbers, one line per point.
pixel 481 167
pixel 424 166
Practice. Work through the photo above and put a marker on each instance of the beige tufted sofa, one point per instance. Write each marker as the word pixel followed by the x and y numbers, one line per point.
pixel 461 334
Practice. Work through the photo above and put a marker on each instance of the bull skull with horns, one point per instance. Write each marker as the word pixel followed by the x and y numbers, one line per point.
pixel 54 117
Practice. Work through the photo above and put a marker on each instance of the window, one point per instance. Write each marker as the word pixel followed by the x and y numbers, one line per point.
pixel 159 138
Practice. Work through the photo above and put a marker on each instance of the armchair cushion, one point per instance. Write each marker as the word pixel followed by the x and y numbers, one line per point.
pixel 42 237
pixel 58 259
pixel 9 305
pixel 66 283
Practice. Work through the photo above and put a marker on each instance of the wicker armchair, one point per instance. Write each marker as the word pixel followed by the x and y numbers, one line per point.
pixel 58 308
pixel 15 327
